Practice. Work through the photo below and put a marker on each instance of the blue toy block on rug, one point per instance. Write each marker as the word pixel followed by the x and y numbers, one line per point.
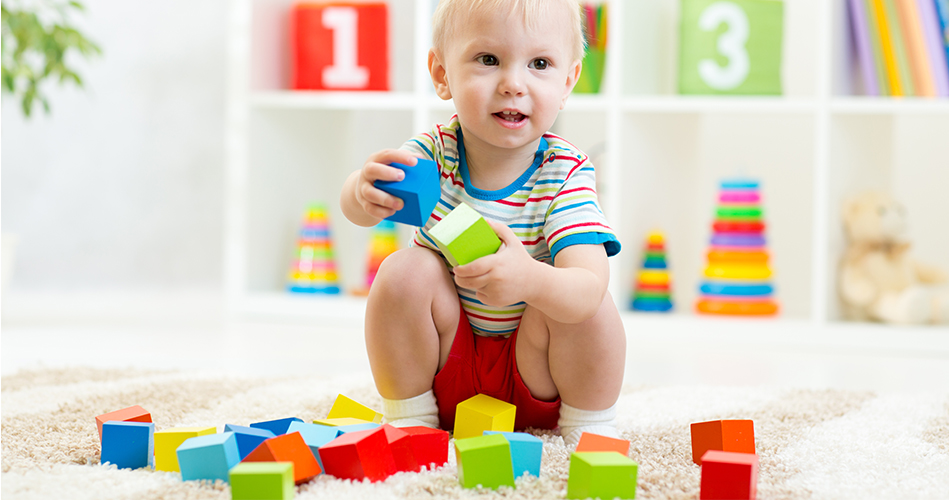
pixel 208 457
pixel 248 438
pixel 314 436
pixel 278 427
pixel 419 191
pixel 344 429
pixel 128 445
pixel 526 452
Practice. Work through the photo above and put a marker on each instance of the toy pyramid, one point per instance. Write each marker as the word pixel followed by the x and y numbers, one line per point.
pixel 314 270
pixel 737 279
pixel 382 242
pixel 653 284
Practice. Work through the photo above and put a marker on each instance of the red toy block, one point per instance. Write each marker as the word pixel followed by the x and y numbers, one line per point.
pixel 596 442
pixel 723 435
pixel 729 476
pixel 401 446
pixel 131 414
pixel 340 46
pixel 359 455
pixel 430 446
pixel 288 448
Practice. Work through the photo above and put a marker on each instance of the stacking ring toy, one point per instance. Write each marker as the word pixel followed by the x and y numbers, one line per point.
pixel 737 257
pixel 738 272
pixel 739 197
pixel 738 226
pixel 739 212
pixel 737 240
pixel 761 308
pixel 653 278
pixel 644 304
pixel 717 288
pixel 739 184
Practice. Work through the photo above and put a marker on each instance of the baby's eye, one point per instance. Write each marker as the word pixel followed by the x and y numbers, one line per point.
pixel 539 64
pixel 488 60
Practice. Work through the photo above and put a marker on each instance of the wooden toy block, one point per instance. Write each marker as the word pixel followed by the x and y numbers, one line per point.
pixel 729 475
pixel 345 429
pixel 485 461
pixel 167 442
pixel 526 452
pixel 419 190
pixel 128 445
pixel 340 46
pixel 596 442
pixel 359 455
pixel 463 236
pixel 430 446
pixel 131 414
pixel 603 474
pixel 722 435
pixel 258 480
pixel 288 448
pixel 277 427
pixel 345 407
pixel 401 447
pixel 248 438
pixel 208 457
pixel 340 422
pixel 315 436
pixel 482 413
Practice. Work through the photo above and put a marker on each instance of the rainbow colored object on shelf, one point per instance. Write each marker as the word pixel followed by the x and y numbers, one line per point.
pixel 737 278
pixel 314 269
pixel 653 291
pixel 382 243
pixel 595 19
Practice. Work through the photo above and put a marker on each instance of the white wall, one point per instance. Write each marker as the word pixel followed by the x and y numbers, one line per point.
pixel 121 186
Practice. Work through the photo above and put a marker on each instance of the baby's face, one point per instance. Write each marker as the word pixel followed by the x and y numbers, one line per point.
pixel 508 82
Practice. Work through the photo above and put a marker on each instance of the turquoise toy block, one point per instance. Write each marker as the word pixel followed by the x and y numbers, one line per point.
pixel 603 474
pixel 128 445
pixel 345 429
pixel 278 427
pixel 526 452
pixel 314 436
pixel 419 191
pixel 208 457
pixel 248 438
pixel 484 460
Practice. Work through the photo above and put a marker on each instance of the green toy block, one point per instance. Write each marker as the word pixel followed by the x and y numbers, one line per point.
pixel 463 236
pixel 260 480
pixel 485 461
pixel 603 474
pixel 482 413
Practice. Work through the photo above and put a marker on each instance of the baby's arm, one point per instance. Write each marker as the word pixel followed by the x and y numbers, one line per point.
pixel 571 291
pixel 364 204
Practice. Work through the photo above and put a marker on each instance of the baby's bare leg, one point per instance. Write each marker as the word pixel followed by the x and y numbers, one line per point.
pixel 411 318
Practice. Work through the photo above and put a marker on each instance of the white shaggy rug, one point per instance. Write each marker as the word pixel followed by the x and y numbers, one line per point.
pixel 811 444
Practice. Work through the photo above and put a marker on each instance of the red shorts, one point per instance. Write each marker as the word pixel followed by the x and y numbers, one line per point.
pixel 487 365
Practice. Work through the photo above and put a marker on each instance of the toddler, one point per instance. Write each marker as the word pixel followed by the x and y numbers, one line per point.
pixel 533 324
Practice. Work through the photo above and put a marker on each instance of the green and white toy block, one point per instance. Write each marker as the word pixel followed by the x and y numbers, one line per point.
pixel 262 480
pixel 485 461
pixel 526 452
pixel 463 236
pixel 603 474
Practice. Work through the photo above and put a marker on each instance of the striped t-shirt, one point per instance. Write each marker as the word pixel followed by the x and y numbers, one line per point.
pixel 551 206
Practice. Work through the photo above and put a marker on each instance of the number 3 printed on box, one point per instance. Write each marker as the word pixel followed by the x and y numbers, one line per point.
pixel 731 44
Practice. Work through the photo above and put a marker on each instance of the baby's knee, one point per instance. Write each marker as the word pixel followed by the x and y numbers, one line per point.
pixel 410 272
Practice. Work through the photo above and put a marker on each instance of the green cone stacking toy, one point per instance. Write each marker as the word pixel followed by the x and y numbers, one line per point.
pixel 314 270
pixel 653 283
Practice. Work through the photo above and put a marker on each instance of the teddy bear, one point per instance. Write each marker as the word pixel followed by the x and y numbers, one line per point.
pixel 879 279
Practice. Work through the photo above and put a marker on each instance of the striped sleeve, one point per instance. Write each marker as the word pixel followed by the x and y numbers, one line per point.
pixel 574 216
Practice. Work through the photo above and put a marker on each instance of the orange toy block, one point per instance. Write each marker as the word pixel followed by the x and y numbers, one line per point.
pixel 737 436
pixel 131 414
pixel 288 448
pixel 596 442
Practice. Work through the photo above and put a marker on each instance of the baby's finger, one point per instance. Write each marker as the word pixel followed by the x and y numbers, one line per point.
pixel 387 156
pixel 382 172
pixel 376 196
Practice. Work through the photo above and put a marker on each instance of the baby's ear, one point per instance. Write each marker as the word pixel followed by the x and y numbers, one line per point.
pixel 436 68
pixel 573 75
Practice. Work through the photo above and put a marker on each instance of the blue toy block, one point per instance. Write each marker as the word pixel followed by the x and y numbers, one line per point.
pixel 278 427
pixel 315 436
pixel 208 457
pixel 419 191
pixel 343 429
pixel 526 452
pixel 128 445
pixel 248 438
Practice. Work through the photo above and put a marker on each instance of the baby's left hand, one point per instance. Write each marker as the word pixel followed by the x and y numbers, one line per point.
pixel 502 278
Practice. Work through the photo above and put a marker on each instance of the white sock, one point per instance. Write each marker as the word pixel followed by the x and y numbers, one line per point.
pixel 574 422
pixel 421 410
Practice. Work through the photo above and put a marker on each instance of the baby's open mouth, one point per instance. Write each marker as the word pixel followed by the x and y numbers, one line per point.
pixel 511 116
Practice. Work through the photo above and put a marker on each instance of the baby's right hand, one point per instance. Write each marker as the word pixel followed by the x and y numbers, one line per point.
pixel 373 200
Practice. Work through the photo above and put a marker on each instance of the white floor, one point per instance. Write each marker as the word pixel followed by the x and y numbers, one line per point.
pixel 194 332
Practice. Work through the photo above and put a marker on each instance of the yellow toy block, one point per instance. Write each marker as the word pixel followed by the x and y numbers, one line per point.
pixel 482 413
pixel 345 407
pixel 167 442
pixel 339 422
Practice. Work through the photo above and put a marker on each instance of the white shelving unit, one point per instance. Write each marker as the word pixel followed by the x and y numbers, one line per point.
pixel 659 156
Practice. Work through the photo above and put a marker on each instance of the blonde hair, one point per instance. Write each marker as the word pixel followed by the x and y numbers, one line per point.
pixel 450 12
